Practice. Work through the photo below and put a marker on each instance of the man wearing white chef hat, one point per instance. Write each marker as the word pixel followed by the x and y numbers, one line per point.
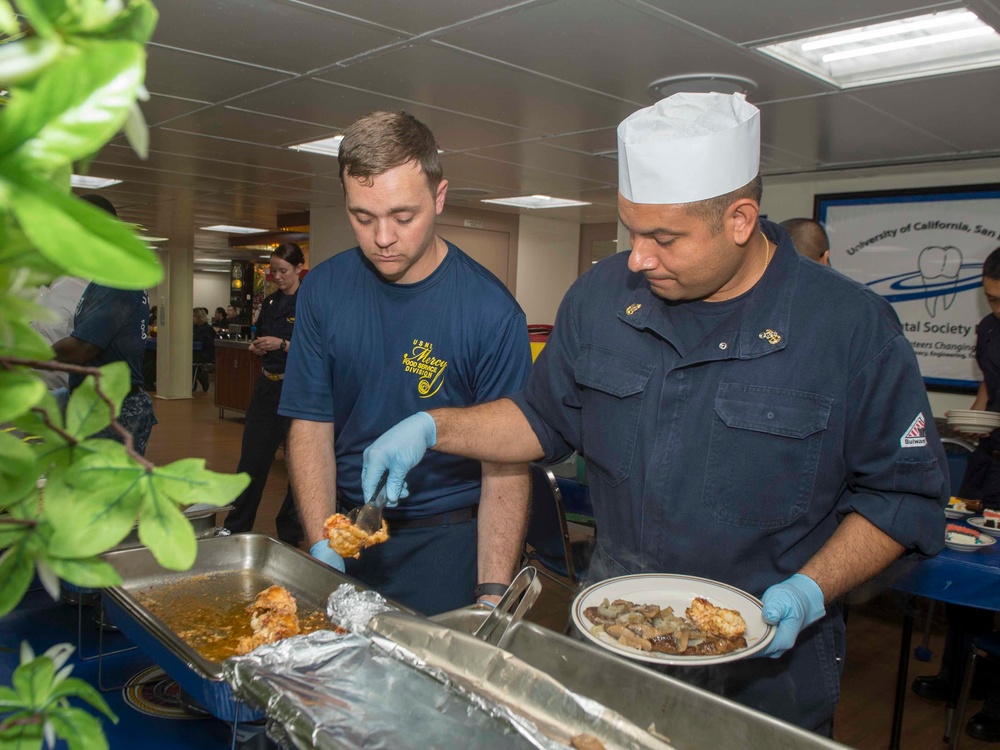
pixel 731 432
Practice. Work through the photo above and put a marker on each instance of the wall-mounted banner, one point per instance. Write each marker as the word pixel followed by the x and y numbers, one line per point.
pixel 923 250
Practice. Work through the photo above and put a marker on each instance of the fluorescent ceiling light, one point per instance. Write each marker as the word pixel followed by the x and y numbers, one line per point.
pixel 328 146
pixel 230 229
pixel 212 270
pixel 929 44
pixel 535 201
pixel 212 260
pixel 144 238
pixel 92 183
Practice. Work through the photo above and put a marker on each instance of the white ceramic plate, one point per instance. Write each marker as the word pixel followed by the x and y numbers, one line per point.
pixel 987 541
pixel 956 513
pixel 675 591
pixel 979 522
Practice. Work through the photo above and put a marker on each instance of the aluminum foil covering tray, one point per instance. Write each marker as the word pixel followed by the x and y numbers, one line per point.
pixel 340 691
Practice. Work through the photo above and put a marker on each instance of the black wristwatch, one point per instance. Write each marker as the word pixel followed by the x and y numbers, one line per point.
pixel 283 345
pixel 489 589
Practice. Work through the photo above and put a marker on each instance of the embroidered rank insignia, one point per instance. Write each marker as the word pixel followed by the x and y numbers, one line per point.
pixel 632 309
pixel 772 337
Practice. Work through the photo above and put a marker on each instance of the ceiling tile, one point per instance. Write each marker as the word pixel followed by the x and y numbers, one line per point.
pixel 789 17
pixel 445 77
pixel 338 106
pixel 257 32
pixel 191 165
pixel 268 130
pixel 838 129
pixel 954 108
pixel 516 178
pixel 415 17
pixel 190 76
pixel 569 40
pixel 544 157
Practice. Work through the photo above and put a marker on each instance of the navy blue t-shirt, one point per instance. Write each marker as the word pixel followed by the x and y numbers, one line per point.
pixel 988 359
pixel 369 353
pixel 115 321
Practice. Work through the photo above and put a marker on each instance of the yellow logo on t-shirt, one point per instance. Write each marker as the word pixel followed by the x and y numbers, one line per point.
pixel 430 369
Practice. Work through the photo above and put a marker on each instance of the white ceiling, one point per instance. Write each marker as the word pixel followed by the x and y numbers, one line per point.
pixel 523 97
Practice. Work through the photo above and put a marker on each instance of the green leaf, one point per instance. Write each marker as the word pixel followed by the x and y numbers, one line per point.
pixel 17 565
pixel 8 19
pixel 75 108
pixel 19 391
pixel 9 698
pixel 87 413
pixel 106 250
pixel 137 131
pixel 187 482
pixel 33 681
pixel 18 339
pixel 75 688
pixel 34 423
pixel 20 736
pixel 80 730
pixel 91 572
pixel 135 23
pixel 17 469
pixel 98 505
pixel 165 530
pixel 37 12
pixel 23 60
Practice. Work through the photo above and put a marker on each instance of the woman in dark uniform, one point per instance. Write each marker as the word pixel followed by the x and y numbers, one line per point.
pixel 265 429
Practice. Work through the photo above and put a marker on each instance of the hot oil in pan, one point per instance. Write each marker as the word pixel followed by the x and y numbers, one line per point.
pixel 209 611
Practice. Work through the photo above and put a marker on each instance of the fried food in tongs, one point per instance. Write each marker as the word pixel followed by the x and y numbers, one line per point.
pixel 347 540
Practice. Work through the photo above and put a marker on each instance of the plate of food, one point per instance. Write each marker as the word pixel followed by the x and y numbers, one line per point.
pixel 988 523
pixel 672 619
pixel 959 507
pixel 964 539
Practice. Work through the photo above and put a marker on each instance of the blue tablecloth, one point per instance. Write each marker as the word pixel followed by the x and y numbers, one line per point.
pixel 44 623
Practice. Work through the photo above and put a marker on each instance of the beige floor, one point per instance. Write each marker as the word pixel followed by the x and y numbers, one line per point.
pixel 192 427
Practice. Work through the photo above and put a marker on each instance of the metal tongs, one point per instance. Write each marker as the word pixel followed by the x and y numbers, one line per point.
pixel 368 517
pixel 523 591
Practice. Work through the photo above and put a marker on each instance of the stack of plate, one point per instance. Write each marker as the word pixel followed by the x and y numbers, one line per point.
pixel 973 421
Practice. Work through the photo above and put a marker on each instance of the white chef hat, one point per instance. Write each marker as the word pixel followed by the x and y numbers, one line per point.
pixel 688 147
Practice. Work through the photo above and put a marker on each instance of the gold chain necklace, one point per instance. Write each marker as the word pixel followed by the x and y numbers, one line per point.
pixel 767 251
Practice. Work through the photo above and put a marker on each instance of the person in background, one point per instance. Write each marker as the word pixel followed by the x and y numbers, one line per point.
pixel 234 317
pixel 60 299
pixel 810 239
pixel 981 481
pixel 406 320
pixel 110 325
pixel 265 429
pixel 220 321
pixel 729 431
pixel 205 335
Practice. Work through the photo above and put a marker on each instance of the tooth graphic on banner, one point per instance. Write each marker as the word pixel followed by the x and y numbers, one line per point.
pixel 939 267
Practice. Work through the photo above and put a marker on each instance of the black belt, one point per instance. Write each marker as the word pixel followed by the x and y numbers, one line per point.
pixel 450 518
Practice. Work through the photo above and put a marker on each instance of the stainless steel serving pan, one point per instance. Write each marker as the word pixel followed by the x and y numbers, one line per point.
pixel 233 568
pixel 691 718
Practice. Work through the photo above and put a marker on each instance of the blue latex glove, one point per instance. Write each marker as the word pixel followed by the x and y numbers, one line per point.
pixel 399 449
pixel 792 605
pixel 322 552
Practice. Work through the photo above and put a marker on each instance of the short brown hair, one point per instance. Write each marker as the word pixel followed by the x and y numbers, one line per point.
pixel 713 210
pixel 381 141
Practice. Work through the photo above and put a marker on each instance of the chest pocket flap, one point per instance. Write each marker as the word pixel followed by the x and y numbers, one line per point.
pixel 612 388
pixel 775 411
pixel 617 374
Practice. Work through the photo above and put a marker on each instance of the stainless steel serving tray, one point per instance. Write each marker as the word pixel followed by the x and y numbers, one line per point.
pixel 238 567
pixel 691 718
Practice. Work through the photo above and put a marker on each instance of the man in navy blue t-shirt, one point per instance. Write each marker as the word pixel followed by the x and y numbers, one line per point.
pixel 110 326
pixel 405 321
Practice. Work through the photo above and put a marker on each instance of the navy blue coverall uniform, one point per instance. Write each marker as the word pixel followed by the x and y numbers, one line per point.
pixel 265 429
pixel 736 458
